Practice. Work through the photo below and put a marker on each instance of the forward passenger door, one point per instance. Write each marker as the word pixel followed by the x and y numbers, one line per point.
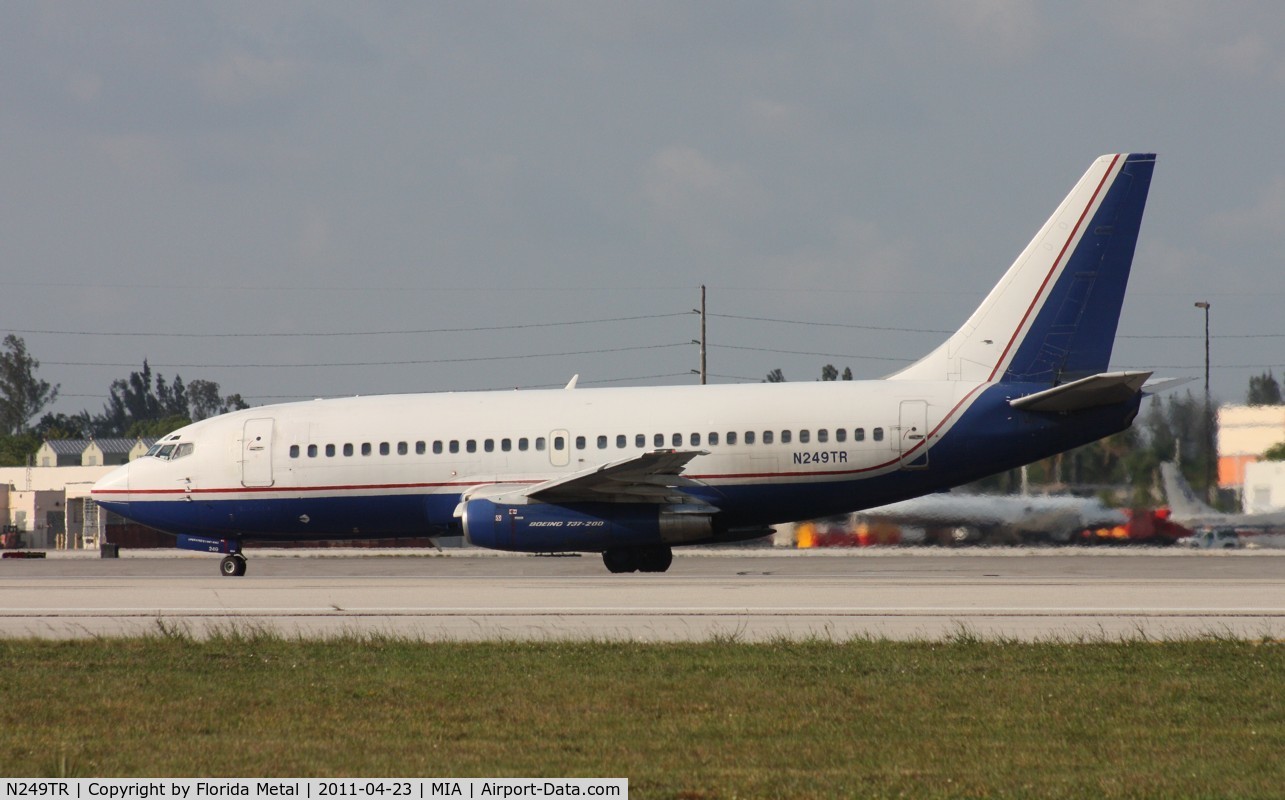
pixel 256 453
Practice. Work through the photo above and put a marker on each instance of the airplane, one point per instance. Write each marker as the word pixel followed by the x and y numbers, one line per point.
pixel 1267 528
pixel 1000 518
pixel 633 472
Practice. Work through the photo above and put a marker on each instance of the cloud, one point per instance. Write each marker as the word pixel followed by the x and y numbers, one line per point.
pixel 775 118
pixel 241 77
pixel 1237 42
pixel 1002 30
pixel 141 156
pixel 1265 218
pixel 860 256
pixel 85 87
pixel 704 199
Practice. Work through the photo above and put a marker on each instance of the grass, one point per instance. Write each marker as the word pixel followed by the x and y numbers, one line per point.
pixel 723 719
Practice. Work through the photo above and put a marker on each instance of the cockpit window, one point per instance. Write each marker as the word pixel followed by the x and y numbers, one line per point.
pixel 165 451
pixel 153 450
pixel 184 449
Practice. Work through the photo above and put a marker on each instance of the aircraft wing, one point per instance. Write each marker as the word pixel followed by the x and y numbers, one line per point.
pixel 654 477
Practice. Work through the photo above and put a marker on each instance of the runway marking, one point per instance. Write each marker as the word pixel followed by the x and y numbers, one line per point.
pixel 633 611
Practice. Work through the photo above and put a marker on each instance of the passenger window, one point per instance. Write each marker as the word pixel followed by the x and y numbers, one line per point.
pixel 348 449
pixel 454 445
pixel 471 445
pixel 506 445
pixel 749 437
pixel 677 440
pixel 696 440
pixel 294 451
pixel 580 442
pixel 420 448
pixel 713 437
pixel 731 437
pixel 878 434
pixel 365 448
pixel 805 436
pixel 312 451
pixel 767 437
pixel 602 442
pixel 402 448
pixel 658 440
pixel 384 449
pixel 823 435
pixel 437 447
pixel 539 443
pixel 785 437
pixel 489 445
pixel 330 451
pixel 859 435
pixel 841 434
pixel 621 441
pixel 640 440
pixel 523 444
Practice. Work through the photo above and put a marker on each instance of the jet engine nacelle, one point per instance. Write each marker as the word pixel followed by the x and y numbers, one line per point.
pixel 548 527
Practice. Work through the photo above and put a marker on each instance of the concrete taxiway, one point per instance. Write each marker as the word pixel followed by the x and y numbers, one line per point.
pixel 750 595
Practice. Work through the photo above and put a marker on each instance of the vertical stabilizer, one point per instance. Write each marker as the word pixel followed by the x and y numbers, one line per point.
pixel 1180 496
pixel 1052 317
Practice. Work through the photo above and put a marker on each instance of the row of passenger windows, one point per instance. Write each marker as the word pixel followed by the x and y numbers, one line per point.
pixel 805 436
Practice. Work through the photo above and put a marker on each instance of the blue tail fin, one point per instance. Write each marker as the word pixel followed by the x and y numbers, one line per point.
pixel 1052 317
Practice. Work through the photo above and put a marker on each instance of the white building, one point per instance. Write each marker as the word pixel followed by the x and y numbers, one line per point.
pixel 61 452
pixel 1244 434
pixel 50 508
pixel 1264 487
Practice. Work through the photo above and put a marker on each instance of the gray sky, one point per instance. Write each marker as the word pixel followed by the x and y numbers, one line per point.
pixel 313 167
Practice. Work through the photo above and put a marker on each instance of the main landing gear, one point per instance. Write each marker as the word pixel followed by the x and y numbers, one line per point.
pixel 655 558
pixel 233 565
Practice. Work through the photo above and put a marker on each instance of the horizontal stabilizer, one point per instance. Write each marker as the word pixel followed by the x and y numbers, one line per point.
pixel 1158 385
pixel 1105 389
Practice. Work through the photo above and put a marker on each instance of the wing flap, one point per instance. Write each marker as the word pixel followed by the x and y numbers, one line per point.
pixel 655 476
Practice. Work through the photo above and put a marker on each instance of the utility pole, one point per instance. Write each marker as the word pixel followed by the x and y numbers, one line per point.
pixel 1209 437
pixel 703 373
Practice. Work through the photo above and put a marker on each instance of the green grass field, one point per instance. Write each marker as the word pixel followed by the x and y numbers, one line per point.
pixel 963 718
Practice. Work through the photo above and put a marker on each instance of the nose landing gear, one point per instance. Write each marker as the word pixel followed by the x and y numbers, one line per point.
pixel 233 563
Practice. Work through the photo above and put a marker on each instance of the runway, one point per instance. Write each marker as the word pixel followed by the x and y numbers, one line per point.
pixel 746 595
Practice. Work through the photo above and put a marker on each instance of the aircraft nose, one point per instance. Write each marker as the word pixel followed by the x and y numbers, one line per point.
pixel 112 488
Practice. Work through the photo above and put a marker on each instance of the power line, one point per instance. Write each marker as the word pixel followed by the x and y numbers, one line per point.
pixel 173 335
pixel 831 324
pixel 379 363
pixel 809 353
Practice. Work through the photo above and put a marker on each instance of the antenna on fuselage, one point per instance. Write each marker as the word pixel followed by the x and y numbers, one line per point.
pixel 571 384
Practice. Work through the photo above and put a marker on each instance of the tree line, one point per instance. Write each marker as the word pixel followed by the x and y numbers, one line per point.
pixel 144 404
